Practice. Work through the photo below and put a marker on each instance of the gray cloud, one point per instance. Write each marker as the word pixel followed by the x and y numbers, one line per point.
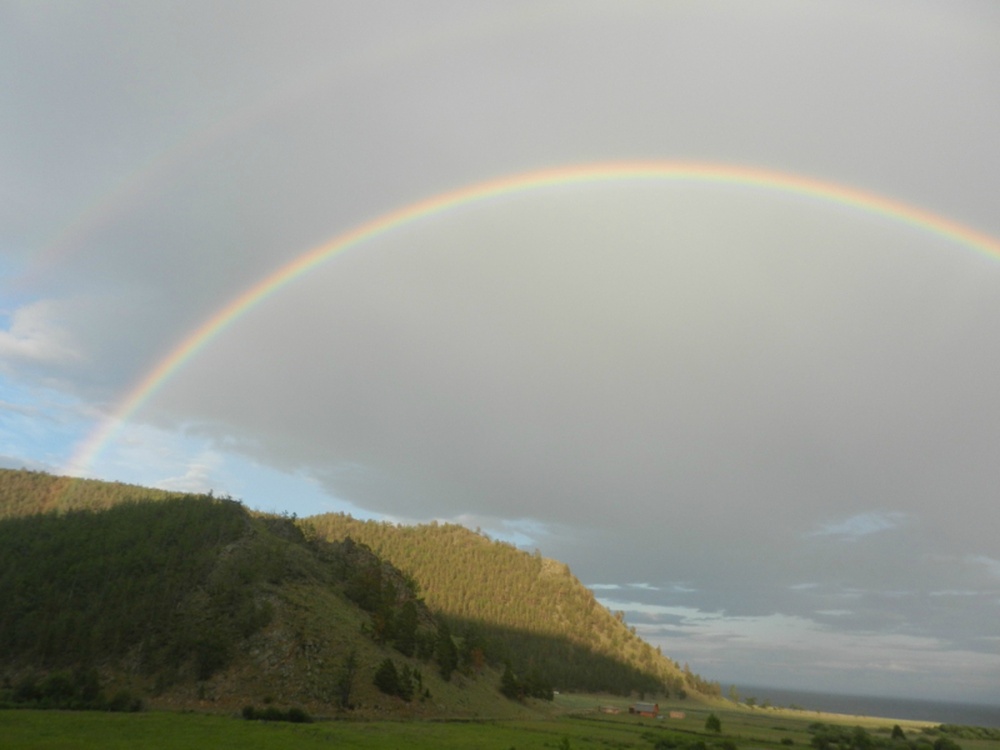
pixel 758 415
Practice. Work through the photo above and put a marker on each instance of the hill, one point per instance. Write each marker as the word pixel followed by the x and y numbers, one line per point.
pixel 520 608
pixel 196 601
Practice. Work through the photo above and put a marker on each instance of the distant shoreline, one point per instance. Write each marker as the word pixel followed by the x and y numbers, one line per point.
pixel 939 712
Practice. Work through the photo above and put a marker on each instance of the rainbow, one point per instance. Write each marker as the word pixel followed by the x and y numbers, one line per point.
pixel 525 182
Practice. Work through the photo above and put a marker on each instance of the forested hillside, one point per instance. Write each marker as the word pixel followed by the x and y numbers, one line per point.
pixel 519 607
pixel 92 586
pixel 173 595
pixel 194 600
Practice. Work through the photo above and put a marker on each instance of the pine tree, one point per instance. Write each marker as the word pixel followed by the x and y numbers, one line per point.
pixel 345 682
pixel 387 678
pixel 510 686
pixel 445 652
pixel 406 628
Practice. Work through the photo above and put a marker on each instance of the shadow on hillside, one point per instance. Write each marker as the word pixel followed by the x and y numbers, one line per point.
pixel 556 660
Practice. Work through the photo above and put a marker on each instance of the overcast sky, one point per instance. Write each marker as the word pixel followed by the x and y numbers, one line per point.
pixel 766 426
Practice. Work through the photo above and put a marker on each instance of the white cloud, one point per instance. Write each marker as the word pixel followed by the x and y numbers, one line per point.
pixel 22 409
pixel 955 592
pixel 37 334
pixel 521 532
pixel 861 525
pixel 756 649
pixel 39 425
pixel 684 613
pixel 200 475
pixel 682 588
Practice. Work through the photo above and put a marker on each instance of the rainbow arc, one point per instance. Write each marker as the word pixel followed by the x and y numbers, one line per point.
pixel 526 182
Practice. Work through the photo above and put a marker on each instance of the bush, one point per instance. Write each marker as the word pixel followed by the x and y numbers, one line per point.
pixel 294 715
pixel 966 732
pixel 666 743
pixel 532 686
pixel 298 716
pixel 387 678
pixel 123 701
pixel 79 691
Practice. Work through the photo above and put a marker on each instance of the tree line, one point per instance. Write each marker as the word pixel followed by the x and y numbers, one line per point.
pixel 837 737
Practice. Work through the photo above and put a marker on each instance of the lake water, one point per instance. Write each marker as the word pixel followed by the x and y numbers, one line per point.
pixel 943 712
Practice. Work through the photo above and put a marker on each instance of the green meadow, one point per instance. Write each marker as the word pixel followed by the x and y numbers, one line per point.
pixel 579 726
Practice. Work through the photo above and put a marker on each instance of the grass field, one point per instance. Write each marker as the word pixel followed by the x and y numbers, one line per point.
pixel 574 724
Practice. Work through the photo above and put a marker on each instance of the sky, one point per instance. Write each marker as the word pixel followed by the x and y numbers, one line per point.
pixel 761 421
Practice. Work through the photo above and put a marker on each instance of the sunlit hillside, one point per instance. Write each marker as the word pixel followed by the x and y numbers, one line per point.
pixel 527 608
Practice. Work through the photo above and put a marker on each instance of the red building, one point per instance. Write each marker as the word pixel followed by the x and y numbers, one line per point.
pixel 651 710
